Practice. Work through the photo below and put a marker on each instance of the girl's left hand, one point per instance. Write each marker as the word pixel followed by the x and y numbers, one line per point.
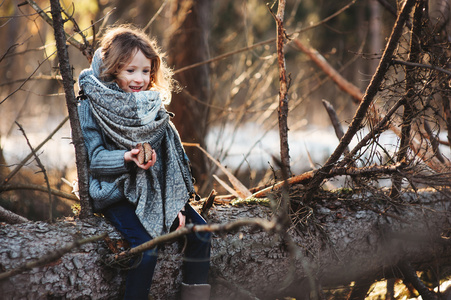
pixel 182 220
pixel 132 155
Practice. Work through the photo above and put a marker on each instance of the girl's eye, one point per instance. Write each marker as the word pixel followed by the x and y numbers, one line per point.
pixel 146 71
pixel 130 70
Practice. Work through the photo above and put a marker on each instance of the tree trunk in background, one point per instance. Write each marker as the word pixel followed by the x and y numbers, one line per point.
pixel 189 44
pixel 344 240
pixel 361 76
pixel 375 26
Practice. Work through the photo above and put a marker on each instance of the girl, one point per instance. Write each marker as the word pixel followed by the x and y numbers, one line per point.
pixel 124 92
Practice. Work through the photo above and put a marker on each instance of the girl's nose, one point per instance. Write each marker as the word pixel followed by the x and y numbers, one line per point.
pixel 139 78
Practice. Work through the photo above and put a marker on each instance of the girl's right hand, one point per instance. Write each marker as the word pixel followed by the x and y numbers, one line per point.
pixel 132 155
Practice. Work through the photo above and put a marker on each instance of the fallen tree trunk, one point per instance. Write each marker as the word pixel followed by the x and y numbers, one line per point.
pixel 344 237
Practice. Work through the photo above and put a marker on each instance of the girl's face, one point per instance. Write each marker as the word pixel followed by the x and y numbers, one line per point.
pixel 135 75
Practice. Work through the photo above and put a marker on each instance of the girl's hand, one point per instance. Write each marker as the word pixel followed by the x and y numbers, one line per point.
pixel 182 220
pixel 132 155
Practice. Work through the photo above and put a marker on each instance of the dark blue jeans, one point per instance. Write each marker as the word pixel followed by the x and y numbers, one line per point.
pixel 139 278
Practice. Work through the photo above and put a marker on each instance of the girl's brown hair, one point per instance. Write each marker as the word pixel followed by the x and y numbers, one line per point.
pixel 120 43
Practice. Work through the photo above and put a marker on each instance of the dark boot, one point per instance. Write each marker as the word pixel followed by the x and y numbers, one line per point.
pixel 195 291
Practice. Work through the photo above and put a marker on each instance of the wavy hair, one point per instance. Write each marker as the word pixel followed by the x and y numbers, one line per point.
pixel 119 45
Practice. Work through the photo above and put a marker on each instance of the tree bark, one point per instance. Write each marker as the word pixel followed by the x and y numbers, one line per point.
pixel 344 239
pixel 283 89
pixel 68 84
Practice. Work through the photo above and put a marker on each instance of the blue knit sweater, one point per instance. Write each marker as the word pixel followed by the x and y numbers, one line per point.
pixel 106 163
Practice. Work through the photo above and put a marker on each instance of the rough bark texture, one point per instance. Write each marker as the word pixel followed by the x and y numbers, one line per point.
pixel 68 84
pixel 283 89
pixel 353 243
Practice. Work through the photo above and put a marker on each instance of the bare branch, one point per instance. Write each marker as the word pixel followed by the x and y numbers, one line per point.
pixel 334 120
pixel 283 89
pixel 41 166
pixel 35 187
pixel 415 64
pixel 85 48
pixel 410 276
pixel 262 43
pixel 367 99
pixel 434 141
pixel 10 49
pixel 381 126
pixel 38 77
pixel 357 96
pixel 322 63
pixel 24 161
pixel 191 228
pixel 68 84
pixel 409 108
pixel 306 177
pixel 155 15
pixel 242 191
pixel 10 217
pixel 49 21
pixel 25 81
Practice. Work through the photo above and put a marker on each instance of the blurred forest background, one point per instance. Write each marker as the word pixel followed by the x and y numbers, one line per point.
pixel 228 105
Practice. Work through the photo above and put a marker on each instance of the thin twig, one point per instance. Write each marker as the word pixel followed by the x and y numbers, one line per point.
pixel 367 99
pixel 336 171
pixel 26 80
pixel 41 166
pixel 36 187
pixel 10 49
pixel 434 141
pixel 372 134
pixel 155 15
pixel 38 77
pixel 192 228
pixel 85 48
pixel 49 21
pixel 262 43
pixel 24 161
pixel 334 120
pixel 424 66
pixel 242 191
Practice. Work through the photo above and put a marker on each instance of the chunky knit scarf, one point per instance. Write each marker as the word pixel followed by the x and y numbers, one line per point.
pixel 130 118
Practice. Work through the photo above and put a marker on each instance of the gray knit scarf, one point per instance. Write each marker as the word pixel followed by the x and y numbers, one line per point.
pixel 130 118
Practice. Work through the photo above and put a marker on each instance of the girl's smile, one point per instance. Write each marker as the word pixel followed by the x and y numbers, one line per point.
pixel 135 75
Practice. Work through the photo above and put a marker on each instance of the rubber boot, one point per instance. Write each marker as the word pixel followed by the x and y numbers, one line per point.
pixel 195 291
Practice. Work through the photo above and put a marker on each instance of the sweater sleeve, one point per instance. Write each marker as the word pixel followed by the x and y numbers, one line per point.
pixel 101 160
